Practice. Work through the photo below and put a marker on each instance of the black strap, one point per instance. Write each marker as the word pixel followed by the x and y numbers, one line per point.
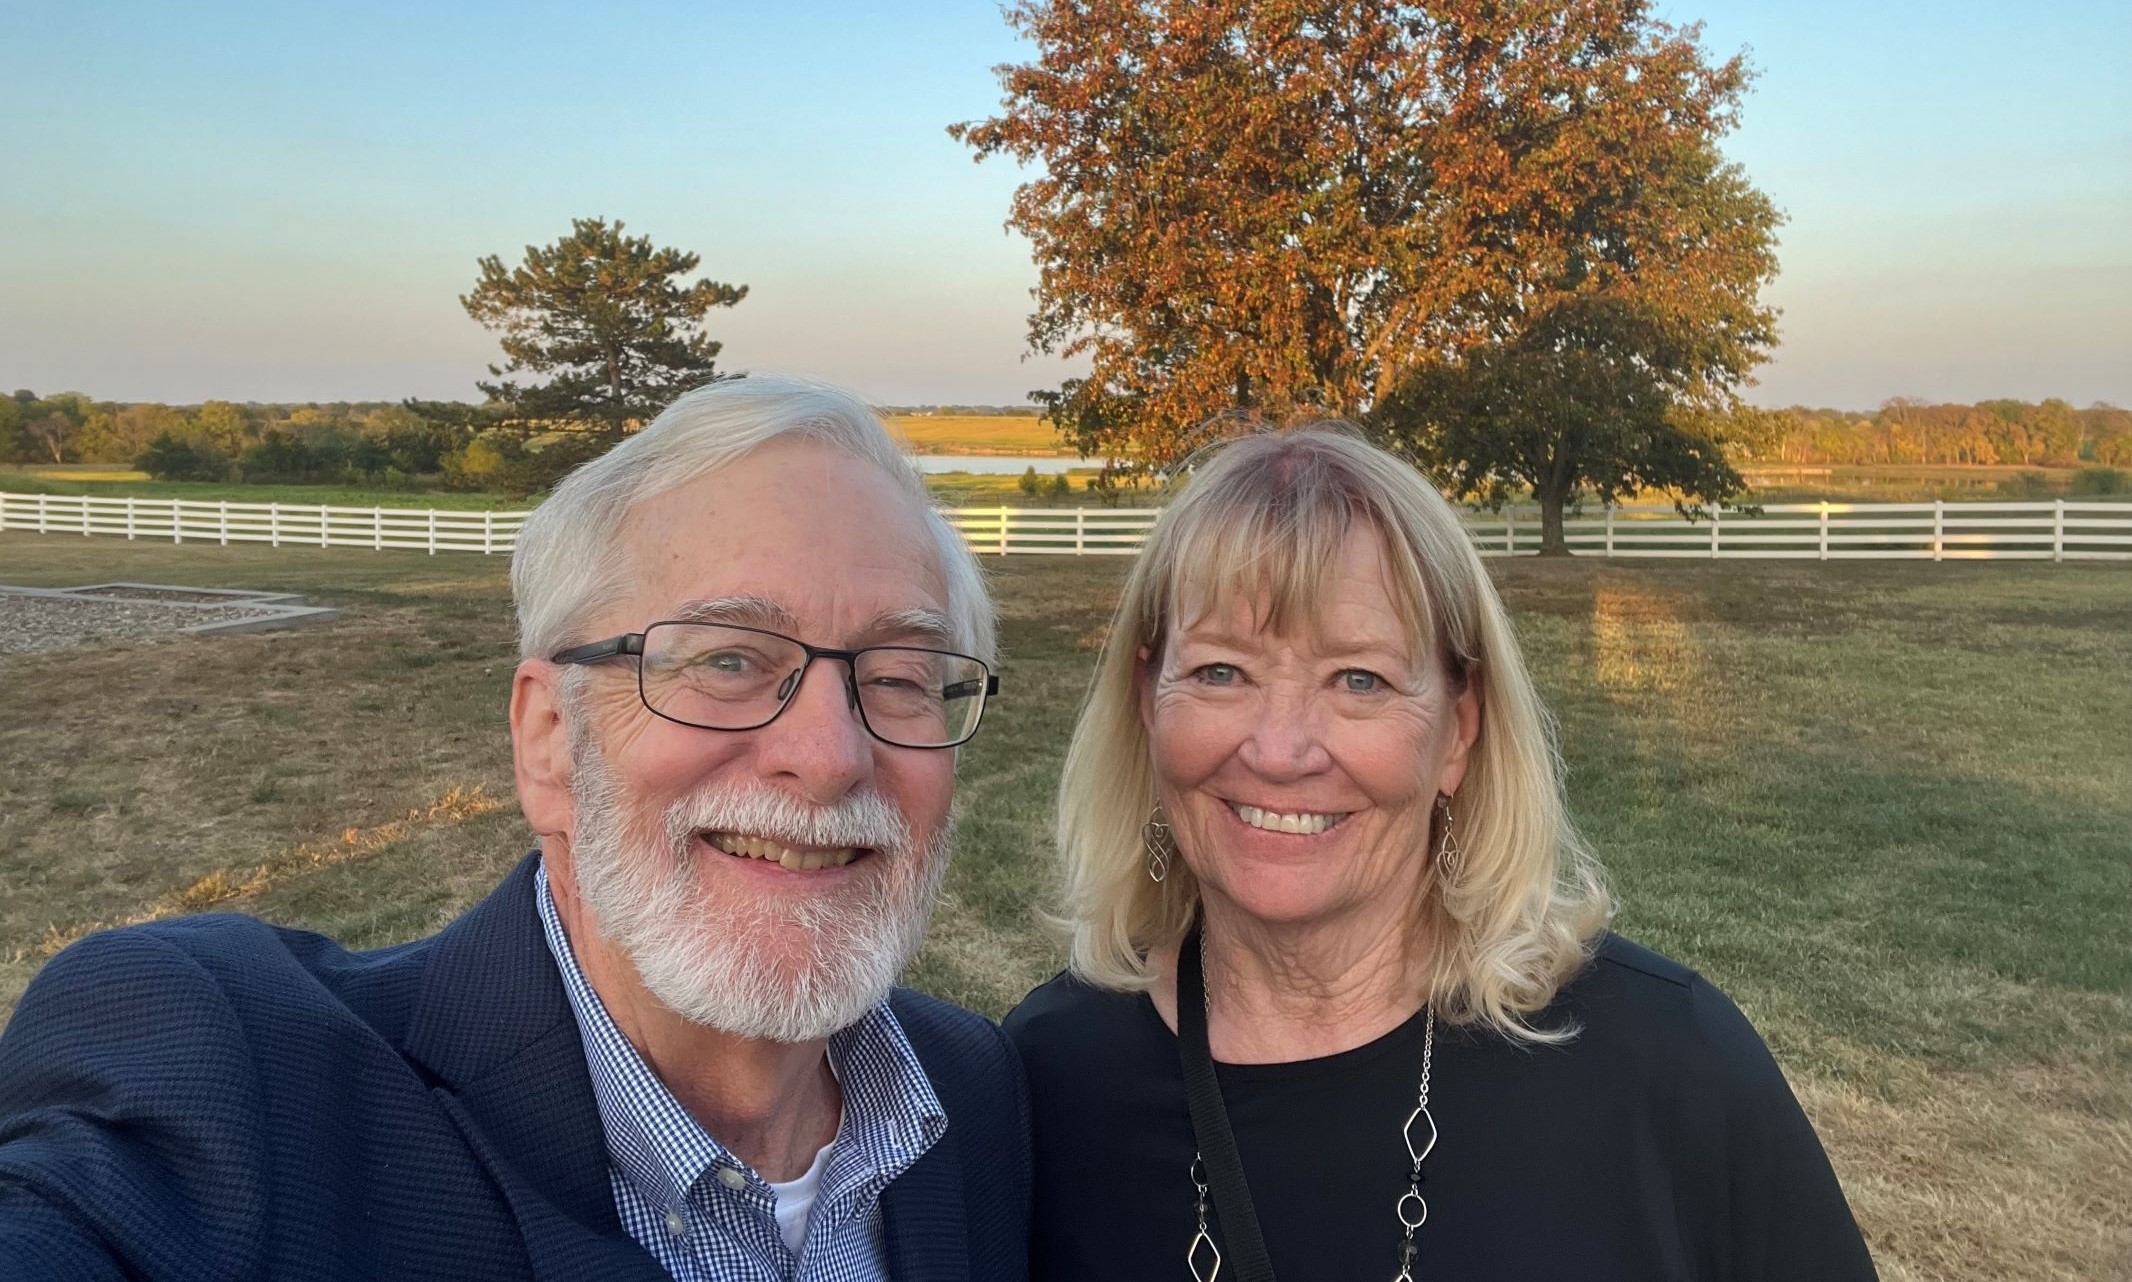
pixel 1210 1124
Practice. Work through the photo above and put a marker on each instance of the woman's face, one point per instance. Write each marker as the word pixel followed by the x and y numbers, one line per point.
pixel 1299 769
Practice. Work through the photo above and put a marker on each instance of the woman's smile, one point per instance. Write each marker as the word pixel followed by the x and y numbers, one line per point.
pixel 1290 821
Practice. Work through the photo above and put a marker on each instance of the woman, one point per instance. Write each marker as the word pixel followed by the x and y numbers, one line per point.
pixel 1317 862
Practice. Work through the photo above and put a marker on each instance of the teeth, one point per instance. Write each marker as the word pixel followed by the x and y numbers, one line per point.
pixel 1303 822
pixel 747 847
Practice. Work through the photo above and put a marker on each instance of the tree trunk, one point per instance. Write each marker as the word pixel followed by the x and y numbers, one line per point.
pixel 1553 499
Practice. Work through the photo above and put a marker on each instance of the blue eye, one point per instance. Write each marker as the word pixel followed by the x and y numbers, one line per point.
pixel 1357 681
pixel 1216 674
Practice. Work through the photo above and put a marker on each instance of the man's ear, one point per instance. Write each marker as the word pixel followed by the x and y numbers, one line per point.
pixel 540 747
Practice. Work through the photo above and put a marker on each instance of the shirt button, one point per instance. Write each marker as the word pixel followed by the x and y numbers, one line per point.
pixel 676 1225
pixel 731 1177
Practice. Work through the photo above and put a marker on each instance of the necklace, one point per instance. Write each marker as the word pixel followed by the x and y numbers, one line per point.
pixel 1203 1257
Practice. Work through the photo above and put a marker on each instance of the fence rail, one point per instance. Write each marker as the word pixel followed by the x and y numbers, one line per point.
pixel 2051 530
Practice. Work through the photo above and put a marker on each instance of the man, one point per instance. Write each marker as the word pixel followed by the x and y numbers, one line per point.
pixel 668 1044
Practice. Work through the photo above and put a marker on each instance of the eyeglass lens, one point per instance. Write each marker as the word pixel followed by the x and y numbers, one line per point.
pixel 723 678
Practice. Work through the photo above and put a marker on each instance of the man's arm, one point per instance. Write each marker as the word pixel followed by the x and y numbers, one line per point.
pixel 129 1120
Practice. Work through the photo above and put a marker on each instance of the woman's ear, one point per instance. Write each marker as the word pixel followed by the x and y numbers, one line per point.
pixel 1466 712
pixel 1144 687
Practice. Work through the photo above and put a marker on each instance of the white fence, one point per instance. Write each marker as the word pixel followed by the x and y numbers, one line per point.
pixel 2052 530
pixel 317 525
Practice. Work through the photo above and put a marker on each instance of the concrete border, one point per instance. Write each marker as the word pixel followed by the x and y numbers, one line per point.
pixel 286 608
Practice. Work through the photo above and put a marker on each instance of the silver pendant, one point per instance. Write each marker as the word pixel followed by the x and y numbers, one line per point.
pixel 1191 1258
pixel 1419 1143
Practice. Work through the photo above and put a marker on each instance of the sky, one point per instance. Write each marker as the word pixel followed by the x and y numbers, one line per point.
pixel 284 201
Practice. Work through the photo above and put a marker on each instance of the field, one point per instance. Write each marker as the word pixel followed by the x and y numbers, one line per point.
pixel 1887 806
pixel 979 434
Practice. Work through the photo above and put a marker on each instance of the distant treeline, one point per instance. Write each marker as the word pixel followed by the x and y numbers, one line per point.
pixel 2004 432
pixel 460 446
pixel 344 442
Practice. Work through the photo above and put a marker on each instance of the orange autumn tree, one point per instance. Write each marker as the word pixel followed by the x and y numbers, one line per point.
pixel 1254 209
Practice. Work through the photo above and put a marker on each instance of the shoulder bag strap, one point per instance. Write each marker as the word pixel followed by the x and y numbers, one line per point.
pixel 1210 1122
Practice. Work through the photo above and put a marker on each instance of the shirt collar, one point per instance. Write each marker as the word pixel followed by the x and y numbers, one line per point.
pixel 891 1115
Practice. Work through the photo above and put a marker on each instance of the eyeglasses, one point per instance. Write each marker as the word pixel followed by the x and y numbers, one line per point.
pixel 718 676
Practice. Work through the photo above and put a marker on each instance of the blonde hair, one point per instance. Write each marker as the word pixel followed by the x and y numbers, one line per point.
pixel 1263 515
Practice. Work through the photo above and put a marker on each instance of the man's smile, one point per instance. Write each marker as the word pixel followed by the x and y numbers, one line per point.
pixel 791 858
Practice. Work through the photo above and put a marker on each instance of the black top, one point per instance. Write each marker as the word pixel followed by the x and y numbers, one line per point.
pixel 1661 1143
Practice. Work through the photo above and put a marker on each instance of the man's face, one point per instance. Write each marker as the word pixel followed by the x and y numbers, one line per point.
pixel 770 882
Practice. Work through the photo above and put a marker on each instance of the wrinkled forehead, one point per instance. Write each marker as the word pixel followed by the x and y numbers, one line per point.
pixel 1246 571
pixel 758 531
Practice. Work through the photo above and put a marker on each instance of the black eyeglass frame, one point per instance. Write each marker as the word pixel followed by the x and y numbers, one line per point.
pixel 632 643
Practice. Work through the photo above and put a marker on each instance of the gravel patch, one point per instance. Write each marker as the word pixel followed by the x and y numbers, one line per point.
pixel 34 624
pixel 130 592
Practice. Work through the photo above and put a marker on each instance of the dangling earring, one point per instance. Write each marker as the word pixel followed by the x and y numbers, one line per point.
pixel 1155 838
pixel 1449 855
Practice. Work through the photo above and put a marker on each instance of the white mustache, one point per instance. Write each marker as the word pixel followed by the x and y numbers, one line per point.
pixel 861 819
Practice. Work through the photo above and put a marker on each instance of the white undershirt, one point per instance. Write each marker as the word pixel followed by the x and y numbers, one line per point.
pixel 796 1199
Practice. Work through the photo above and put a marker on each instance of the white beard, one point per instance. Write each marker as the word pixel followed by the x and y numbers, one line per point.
pixel 735 966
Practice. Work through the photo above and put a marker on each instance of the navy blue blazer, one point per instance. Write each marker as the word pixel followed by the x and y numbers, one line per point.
pixel 217 1098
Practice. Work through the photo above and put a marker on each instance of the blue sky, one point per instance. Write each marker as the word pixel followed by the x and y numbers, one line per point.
pixel 284 201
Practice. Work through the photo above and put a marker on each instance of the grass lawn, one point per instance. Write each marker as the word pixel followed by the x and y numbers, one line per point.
pixel 1887 806
pixel 75 482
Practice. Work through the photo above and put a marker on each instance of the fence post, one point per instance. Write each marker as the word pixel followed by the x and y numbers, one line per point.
pixel 1714 510
pixel 488 533
pixel 85 516
pixel 1939 528
pixel 2058 531
pixel 177 520
pixel 1510 530
pixel 377 528
pixel 223 525
pixel 40 513
pixel 1609 531
pixel 433 531
pixel 1080 531
pixel 129 516
pixel 1003 530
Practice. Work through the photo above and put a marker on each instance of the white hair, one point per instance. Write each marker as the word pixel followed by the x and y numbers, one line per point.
pixel 570 565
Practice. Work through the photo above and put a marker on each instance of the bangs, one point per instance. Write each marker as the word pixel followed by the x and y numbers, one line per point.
pixel 1263 526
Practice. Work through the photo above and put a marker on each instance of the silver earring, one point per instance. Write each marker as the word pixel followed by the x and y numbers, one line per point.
pixel 1449 855
pixel 1156 840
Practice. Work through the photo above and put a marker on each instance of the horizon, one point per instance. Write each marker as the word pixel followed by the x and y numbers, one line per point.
pixel 265 206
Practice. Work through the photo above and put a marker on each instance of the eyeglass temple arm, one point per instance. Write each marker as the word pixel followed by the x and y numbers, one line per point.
pixel 612 647
pixel 964 689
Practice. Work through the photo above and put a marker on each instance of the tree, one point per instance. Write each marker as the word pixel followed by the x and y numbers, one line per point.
pixel 173 458
pixel 606 317
pixel 51 434
pixel 53 424
pixel 12 439
pixel 1588 400
pixel 120 435
pixel 1276 209
pixel 220 428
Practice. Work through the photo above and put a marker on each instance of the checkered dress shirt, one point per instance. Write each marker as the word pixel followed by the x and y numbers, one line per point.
pixel 700 1211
